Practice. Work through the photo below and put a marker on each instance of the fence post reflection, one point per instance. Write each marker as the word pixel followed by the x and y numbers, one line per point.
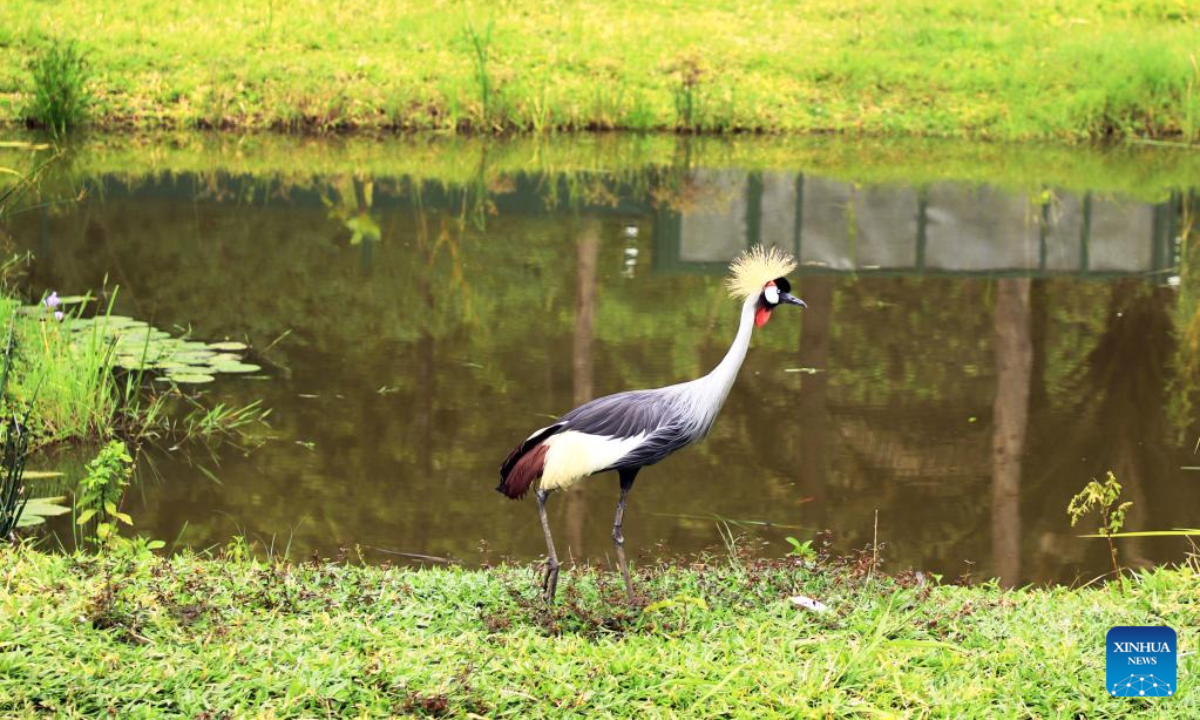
pixel 815 433
pixel 587 251
pixel 1010 417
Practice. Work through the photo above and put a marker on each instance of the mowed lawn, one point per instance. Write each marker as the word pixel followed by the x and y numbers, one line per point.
pixel 1073 69
pixel 131 636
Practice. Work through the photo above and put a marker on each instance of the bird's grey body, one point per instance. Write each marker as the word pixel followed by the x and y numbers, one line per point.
pixel 631 430
pixel 659 418
pixel 666 419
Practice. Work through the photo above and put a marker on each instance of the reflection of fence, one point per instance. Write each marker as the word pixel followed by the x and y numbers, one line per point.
pixel 945 228
pixel 832 226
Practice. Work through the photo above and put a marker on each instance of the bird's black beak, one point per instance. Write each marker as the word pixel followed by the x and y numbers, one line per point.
pixel 791 299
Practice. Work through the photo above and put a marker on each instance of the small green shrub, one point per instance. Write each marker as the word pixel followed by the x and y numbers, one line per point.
pixel 803 550
pixel 101 490
pixel 60 96
pixel 1102 498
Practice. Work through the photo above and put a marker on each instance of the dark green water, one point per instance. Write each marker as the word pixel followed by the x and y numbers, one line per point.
pixel 970 357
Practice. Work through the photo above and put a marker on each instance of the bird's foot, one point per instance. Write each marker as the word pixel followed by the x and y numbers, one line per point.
pixel 550 582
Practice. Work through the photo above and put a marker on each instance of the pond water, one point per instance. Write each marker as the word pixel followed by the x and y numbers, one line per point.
pixel 975 348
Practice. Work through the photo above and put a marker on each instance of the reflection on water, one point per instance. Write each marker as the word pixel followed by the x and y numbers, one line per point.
pixel 1010 420
pixel 970 356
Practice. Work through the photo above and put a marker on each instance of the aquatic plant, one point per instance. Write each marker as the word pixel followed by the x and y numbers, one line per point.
pixel 60 98
pixel 135 345
pixel 91 372
pixel 52 302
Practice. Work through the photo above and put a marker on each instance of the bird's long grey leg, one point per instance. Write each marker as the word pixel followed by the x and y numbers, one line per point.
pixel 550 579
pixel 627 478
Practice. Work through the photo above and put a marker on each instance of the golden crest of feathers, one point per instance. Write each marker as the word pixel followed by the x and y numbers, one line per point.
pixel 755 268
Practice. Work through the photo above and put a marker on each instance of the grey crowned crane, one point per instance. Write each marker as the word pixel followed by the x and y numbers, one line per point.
pixel 630 430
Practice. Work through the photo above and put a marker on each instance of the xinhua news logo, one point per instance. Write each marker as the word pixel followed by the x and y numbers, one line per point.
pixel 1141 661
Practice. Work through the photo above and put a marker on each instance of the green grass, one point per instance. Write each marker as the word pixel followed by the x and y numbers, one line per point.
pixel 1071 69
pixel 136 636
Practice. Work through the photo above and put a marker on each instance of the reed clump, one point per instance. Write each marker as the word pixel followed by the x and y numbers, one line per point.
pixel 59 101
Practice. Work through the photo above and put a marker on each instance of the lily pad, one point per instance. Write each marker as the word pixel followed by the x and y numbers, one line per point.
pixel 139 346
pixel 194 357
pixel 118 321
pixel 38 509
pixel 131 335
pixel 234 368
pixel 129 363
pixel 188 378
pixel 171 365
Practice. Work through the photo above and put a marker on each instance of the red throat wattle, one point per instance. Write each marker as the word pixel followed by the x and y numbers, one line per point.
pixel 761 316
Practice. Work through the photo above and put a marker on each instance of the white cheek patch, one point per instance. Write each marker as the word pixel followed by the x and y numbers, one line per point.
pixel 771 293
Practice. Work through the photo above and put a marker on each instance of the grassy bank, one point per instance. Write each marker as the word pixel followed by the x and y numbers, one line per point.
pixel 1070 70
pixel 140 636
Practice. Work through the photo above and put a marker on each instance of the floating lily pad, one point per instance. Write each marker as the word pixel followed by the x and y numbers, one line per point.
pixel 139 346
pixel 234 368
pixel 194 357
pixel 118 321
pixel 38 509
pixel 133 364
pixel 171 365
pixel 131 335
pixel 188 378
pixel 141 352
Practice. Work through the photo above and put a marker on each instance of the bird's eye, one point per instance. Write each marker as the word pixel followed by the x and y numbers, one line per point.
pixel 771 294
